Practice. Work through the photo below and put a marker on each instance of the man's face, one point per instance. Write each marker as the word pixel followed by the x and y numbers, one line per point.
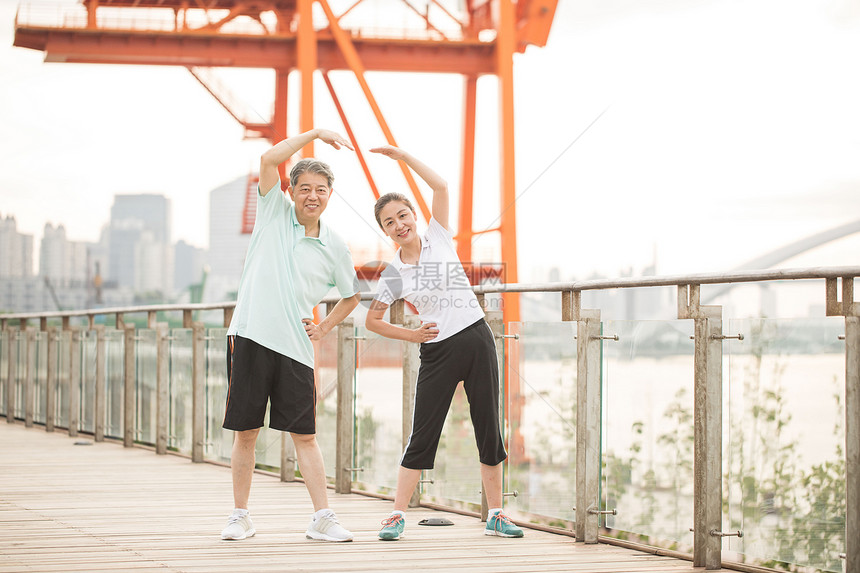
pixel 311 195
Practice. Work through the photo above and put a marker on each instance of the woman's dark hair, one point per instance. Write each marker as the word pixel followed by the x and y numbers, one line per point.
pixel 388 198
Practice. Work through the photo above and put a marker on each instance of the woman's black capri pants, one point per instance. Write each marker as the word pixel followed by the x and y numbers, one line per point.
pixel 470 356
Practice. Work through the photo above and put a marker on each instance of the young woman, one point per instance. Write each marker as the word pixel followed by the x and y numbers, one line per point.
pixel 456 344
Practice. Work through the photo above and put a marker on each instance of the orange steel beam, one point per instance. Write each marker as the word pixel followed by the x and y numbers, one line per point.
pixel 348 49
pixel 505 48
pixel 252 128
pixel 215 26
pixel 493 230
pixel 103 46
pixel 348 10
pixel 447 13
pixel 307 64
pixel 426 19
pixel 351 135
pixel 233 113
pixel 467 170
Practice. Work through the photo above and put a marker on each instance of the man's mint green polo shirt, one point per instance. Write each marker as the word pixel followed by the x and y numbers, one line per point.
pixel 286 275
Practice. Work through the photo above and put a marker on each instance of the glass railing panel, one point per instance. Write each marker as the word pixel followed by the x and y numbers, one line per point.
pixel 180 414
pixel 115 380
pixel 456 474
pixel 647 431
pixel 784 444
pixel 325 376
pixel 268 447
pixel 455 479
pixel 89 340
pixel 378 412
pixel 218 442
pixel 540 413
pixel 145 385
pixel 40 376
pixel 64 355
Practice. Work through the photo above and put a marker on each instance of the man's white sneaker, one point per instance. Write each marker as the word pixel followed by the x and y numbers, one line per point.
pixel 239 526
pixel 327 528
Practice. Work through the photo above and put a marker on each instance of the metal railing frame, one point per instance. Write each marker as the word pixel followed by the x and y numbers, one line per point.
pixel 707 381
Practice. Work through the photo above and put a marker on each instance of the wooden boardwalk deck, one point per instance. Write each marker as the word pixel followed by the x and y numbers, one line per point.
pixel 95 508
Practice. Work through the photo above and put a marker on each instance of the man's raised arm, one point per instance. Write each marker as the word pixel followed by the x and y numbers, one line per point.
pixel 285 149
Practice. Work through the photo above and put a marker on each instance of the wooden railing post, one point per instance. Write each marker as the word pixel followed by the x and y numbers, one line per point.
pixel 852 442
pixel 162 399
pixel 100 406
pixel 74 380
pixel 588 403
pixel 345 406
pixel 128 396
pixel 707 426
pixel 11 363
pixel 410 377
pixel 198 391
pixel 588 400
pixel 29 379
pixel 51 384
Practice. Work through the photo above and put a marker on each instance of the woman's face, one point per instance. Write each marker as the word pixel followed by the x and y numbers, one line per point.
pixel 398 222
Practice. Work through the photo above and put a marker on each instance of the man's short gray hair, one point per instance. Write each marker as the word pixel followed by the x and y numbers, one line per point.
pixel 310 166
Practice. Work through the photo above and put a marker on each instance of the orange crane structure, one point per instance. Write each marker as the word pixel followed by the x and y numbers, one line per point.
pixel 466 37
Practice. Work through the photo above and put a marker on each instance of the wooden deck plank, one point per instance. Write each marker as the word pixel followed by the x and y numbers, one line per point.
pixel 95 508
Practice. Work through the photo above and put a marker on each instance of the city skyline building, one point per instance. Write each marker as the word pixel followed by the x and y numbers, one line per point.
pixel 227 244
pixel 139 246
pixel 60 260
pixel 16 250
pixel 189 262
pixel 153 270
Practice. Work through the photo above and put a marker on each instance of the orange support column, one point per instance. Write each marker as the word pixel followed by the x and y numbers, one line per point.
pixel 92 8
pixel 306 54
pixel 279 117
pixel 505 47
pixel 467 173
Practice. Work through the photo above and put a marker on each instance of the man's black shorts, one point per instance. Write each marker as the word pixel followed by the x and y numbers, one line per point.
pixel 255 375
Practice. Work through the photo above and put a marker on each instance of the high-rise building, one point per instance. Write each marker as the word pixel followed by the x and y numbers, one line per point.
pixel 227 244
pixel 153 272
pixel 189 264
pixel 16 250
pixel 140 250
pixel 60 260
pixel 153 211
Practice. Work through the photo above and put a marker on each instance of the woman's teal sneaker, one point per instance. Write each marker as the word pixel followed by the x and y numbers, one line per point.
pixel 392 528
pixel 501 525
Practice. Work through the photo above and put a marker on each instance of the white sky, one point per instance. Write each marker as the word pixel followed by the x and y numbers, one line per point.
pixel 733 127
